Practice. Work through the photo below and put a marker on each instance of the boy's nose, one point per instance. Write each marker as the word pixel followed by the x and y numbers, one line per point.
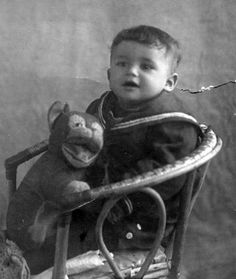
pixel 132 70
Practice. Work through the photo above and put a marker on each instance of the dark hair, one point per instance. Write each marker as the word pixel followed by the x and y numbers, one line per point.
pixel 150 36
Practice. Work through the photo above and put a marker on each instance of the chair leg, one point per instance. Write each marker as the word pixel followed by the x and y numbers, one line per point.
pixel 63 227
pixel 181 226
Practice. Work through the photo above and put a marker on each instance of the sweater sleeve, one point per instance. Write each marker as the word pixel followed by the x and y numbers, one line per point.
pixel 166 144
pixel 172 141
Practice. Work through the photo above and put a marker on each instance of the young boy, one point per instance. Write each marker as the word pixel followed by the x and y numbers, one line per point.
pixel 142 77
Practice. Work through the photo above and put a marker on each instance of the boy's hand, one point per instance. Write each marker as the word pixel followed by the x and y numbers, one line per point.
pixel 146 165
pixel 142 166
pixel 122 209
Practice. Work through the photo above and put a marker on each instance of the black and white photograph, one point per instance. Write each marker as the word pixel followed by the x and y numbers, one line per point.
pixel 117 139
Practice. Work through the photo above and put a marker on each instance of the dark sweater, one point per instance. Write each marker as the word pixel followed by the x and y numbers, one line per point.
pixel 135 149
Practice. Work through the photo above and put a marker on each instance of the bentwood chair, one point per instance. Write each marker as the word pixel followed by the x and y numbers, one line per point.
pixel 199 159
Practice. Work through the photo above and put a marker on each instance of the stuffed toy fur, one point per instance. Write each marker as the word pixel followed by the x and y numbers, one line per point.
pixel 52 185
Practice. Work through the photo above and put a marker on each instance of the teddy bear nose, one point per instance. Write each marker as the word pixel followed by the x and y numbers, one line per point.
pixel 82 132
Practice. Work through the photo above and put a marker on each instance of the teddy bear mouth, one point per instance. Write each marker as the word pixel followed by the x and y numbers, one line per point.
pixel 79 155
pixel 87 143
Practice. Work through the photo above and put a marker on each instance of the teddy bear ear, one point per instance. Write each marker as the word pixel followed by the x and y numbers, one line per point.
pixel 66 108
pixel 54 111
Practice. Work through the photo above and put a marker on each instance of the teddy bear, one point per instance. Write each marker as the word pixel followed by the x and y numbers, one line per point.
pixel 53 184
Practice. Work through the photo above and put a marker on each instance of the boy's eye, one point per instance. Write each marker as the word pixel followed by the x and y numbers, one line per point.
pixel 121 63
pixel 147 66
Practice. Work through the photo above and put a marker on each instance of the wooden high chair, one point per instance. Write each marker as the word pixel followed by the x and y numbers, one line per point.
pixel 197 161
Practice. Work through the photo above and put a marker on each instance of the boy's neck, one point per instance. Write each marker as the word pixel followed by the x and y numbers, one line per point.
pixel 137 107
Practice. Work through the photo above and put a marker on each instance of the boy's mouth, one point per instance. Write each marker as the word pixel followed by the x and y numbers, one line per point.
pixel 130 84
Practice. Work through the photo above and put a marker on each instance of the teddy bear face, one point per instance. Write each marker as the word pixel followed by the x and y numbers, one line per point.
pixel 78 137
pixel 84 140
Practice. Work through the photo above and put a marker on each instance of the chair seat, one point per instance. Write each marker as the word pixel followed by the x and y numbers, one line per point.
pixel 92 265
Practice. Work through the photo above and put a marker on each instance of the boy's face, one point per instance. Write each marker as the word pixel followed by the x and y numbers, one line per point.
pixel 138 73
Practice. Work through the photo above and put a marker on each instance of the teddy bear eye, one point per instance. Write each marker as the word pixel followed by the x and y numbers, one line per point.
pixel 78 124
pixel 76 121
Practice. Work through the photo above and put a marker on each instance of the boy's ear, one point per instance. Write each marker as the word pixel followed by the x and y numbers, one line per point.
pixel 171 82
pixel 108 74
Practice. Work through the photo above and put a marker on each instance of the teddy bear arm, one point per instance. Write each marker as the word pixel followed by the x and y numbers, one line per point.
pixel 65 189
pixel 71 196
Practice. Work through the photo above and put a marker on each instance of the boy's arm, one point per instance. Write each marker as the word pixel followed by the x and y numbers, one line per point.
pixel 169 142
pixel 173 141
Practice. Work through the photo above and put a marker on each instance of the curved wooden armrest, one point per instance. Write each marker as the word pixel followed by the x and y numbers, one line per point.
pixel 209 147
pixel 25 155
pixel 14 161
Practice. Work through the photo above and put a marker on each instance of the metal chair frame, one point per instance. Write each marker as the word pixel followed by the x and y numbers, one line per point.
pixel 200 157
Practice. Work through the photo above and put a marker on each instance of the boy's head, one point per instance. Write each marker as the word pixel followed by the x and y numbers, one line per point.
pixel 142 64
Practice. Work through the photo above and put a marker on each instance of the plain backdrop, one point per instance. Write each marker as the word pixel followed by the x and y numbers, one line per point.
pixel 59 50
